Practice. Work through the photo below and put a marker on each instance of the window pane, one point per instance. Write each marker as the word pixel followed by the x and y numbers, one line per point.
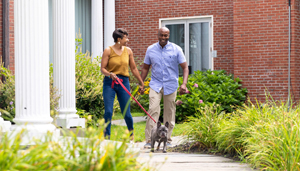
pixel 177 34
pixel 177 37
pixel 83 22
pixel 199 46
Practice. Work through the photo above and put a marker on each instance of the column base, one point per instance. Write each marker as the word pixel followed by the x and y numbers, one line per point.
pixel 5 126
pixel 32 132
pixel 70 122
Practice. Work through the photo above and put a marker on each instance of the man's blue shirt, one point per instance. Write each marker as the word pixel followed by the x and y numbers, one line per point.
pixel 164 63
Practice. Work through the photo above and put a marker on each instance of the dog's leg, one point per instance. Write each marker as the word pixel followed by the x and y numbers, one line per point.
pixel 165 147
pixel 158 145
pixel 152 144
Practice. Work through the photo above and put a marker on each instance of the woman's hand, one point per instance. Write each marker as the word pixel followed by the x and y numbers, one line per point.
pixel 113 76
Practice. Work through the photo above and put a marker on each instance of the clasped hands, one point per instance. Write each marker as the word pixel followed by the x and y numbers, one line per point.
pixel 141 89
pixel 182 89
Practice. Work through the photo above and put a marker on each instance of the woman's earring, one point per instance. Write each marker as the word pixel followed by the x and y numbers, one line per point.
pixel 118 42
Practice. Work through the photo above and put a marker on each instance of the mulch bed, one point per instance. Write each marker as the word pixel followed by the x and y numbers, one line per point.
pixel 197 148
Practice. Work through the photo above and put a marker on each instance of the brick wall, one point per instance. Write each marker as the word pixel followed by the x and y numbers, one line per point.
pixel 1 29
pixel 251 37
pixel 141 19
pixel 261 47
pixel 11 35
pixel 295 51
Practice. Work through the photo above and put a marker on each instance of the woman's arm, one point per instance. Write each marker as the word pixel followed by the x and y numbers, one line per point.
pixel 134 69
pixel 104 63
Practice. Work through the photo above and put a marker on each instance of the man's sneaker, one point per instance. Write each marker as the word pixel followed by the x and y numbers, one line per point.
pixel 148 145
pixel 169 144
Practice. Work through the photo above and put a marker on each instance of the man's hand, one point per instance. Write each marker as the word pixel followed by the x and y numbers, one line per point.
pixel 141 89
pixel 182 89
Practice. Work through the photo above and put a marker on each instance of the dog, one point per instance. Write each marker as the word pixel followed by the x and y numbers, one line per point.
pixel 159 134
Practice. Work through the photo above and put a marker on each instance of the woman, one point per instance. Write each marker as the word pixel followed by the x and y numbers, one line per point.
pixel 115 62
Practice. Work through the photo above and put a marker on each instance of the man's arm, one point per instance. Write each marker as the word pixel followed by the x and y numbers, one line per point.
pixel 185 69
pixel 144 74
pixel 145 71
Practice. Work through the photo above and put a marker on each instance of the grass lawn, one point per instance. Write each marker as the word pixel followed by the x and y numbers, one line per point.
pixel 139 131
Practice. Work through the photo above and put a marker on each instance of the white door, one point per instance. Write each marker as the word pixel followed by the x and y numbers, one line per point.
pixel 194 36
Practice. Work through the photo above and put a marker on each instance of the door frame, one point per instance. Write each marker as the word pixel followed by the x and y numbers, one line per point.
pixel 186 21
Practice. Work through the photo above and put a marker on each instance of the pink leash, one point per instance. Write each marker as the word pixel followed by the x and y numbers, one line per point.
pixel 120 82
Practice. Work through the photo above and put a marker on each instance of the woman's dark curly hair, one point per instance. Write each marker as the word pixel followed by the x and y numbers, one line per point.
pixel 119 33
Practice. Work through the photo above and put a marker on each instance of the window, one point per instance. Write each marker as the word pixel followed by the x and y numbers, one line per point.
pixel 82 22
pixel 194 36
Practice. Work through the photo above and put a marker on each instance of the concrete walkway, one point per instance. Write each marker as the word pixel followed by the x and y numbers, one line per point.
pixel 135 119
pixel 191 162
pixel 174 161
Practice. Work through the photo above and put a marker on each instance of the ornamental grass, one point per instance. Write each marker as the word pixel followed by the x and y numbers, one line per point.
pixel 264 135
pixel 68 153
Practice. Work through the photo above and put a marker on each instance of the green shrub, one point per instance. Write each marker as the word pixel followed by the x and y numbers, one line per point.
pixel 73 153
pixel 208 87
pixel 54 95
pixel 89 83
pixel 7 94
pixel 205 89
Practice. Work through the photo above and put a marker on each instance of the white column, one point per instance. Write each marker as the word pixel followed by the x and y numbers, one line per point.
pixel 109 22
pixel 64 62
pixel 97 28
pixel 32 67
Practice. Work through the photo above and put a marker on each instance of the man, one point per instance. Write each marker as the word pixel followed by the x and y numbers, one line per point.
pixel 164 57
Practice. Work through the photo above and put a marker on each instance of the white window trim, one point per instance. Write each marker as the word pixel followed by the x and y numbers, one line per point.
pixel 207 18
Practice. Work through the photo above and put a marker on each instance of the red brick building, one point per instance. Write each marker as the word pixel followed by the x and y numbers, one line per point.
pixel 9 31
pixel 250 38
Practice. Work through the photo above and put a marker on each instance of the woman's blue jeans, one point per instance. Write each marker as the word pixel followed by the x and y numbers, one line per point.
pixel 109 97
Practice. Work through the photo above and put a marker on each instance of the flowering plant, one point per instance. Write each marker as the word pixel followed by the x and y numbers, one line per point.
pixel 208 88
pixel 143 99
pixel 7 93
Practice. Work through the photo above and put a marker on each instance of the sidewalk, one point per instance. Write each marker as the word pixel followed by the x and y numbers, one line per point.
pixel 187 162
pixel 135 119
pixel 174 161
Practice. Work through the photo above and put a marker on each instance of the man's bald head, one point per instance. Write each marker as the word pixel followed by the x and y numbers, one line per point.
pixel 163 36
pixel 163 29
